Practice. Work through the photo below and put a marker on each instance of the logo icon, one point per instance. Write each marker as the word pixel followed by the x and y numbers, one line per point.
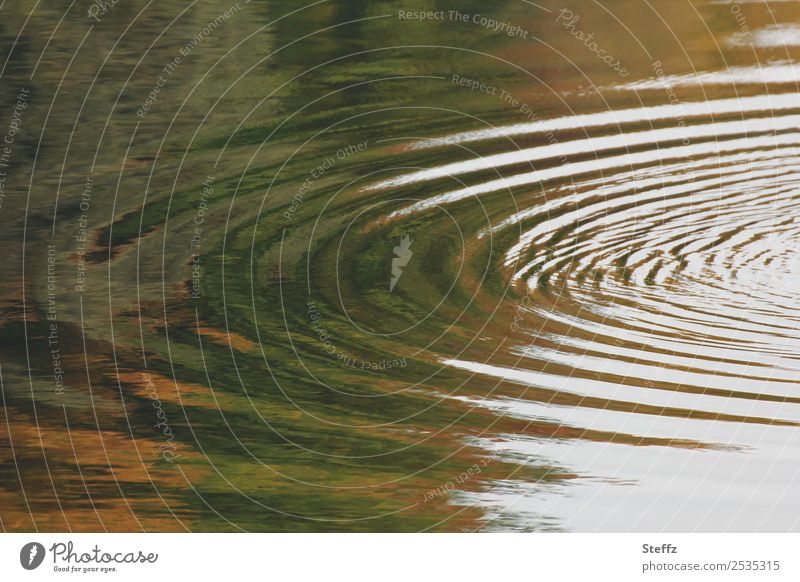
pixel 403 254
pixel 31 555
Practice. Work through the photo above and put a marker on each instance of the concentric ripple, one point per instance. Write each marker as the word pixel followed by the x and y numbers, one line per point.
pixel 339 266
pixel 658 271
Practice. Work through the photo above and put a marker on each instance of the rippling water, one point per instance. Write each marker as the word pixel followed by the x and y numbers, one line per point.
pixel 347 270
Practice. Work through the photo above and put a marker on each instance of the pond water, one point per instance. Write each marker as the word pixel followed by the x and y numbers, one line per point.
pixel 400 266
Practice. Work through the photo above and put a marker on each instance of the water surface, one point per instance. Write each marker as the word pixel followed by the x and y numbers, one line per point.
pixel 335 267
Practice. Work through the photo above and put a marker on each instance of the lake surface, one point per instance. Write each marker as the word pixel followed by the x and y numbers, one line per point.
pixel 400 266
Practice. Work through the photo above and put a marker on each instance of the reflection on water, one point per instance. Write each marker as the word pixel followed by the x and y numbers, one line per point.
pixel 206 324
